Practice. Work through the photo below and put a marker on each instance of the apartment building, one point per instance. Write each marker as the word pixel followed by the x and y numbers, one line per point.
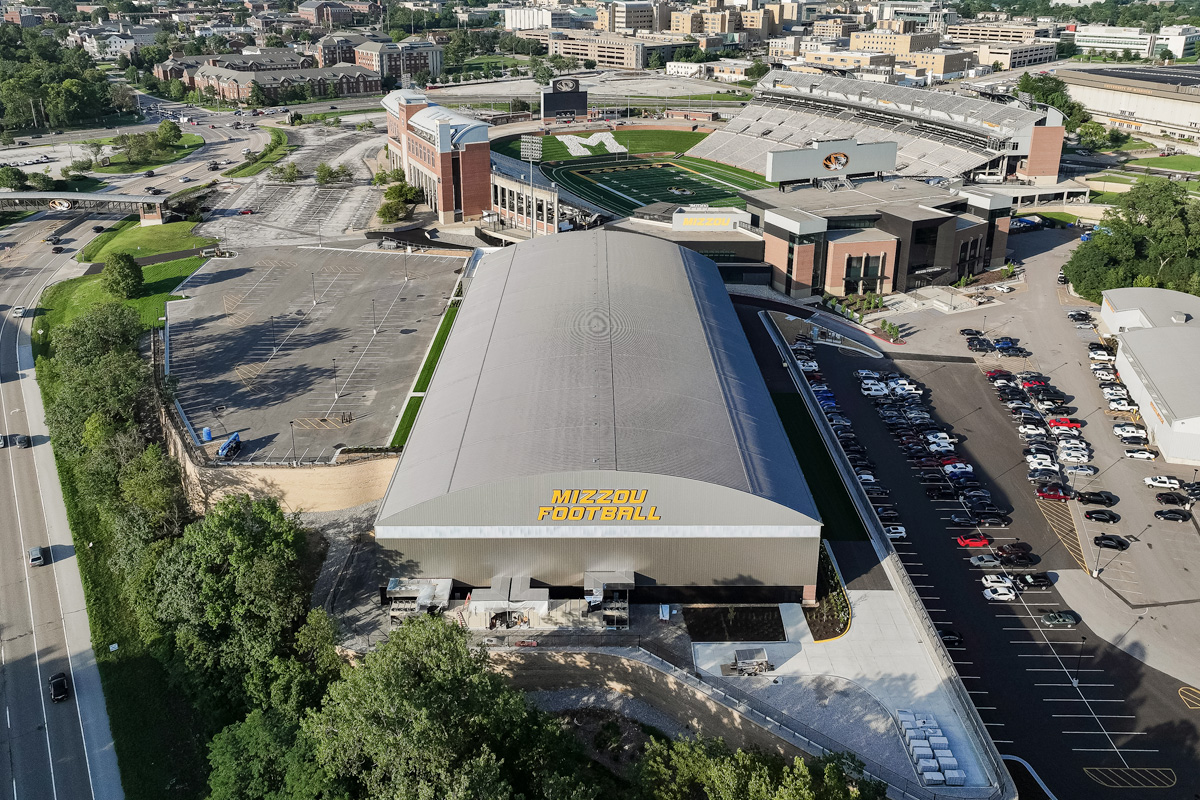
pixel 399 59
pixel 942 65
pixel 1017 55
pixel 633 15
pixel 925 16
pixel 885 41
pixel 729 70
pixel 184 68
pixel 338 48
pixel 531 17
pixel 341 80
pixel 999 32
pixel 1179 40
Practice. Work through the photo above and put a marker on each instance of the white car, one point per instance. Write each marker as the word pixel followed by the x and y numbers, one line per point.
pixel 1114 393
pixel 865 373
pixel 185 179
pixel 1141 454
pixel 901 382
pixel 1004 289
pixel 866 477
pixel 1074 458
pixel 1102 356
pixel 1101 367
pixel 895 531
pixel 958 469
pixel 1104 375
pixel 1081 470
pixel 996 582
pixel 1122 405
pixel 904 391
pixel 873 391
pixel 1015 404
pixel 19 311
pixel 987 561
pixel 1000 593
pixel 1126 429
pixel 820 387
pixel 1038 458
pixel 940 436
pixel 807 366
pixel 1032 430
pixel 1087 326
pixel 1161 482
pixel 940 448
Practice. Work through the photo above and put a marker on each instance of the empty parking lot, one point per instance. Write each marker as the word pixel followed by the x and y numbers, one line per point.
pixel 319 343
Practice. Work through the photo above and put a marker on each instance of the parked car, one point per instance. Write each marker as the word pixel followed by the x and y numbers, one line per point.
pixel 985 561
pixel 1000 594
pixel 895 532
pixel 1173 515
pixel 1102 515
pixel 1161 482
pixel 950 638
pixel 1110 542
pixel 1059 619
pixel 1064 422
pixel 973 540
pixel 996 582
pixel 1035 580
pixel 1141 454
pixel 1081 470
pixel 1046 493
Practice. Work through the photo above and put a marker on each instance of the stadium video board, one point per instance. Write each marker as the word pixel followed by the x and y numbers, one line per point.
pixel 830 160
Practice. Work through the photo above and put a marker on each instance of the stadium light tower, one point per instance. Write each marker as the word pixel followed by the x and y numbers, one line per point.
pixel 531 150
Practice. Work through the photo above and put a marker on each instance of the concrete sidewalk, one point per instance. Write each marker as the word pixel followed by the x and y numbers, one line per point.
pixel 849 688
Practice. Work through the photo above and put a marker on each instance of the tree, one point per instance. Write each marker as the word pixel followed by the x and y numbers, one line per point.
pixel 12 178
pixel 6 137
pixel 123 97
pixel 756 70
pixel 122 276
pixel 1166 55
pixel 543 75
pixel 230 594
pixel 41 182
pixel 423 716
pixel 267 757
pixel 290 173
pixel 392 210
pixel 176 89
pixel 105 328
pixel 997 66
pixel 1127 54
pixel 1092 135
pixel 257 96
pixel 132 74
pixel 169 133
pixel 655 61
pixel 122 59
pixel 589 63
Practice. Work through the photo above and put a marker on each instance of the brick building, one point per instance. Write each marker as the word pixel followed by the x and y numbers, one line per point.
pixel 441 151
pixel 321 12
pixel 184 67
pixel 340 80
pixel 399 60
pixel 338 48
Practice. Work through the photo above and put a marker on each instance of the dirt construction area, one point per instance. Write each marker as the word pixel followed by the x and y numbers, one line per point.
pixel 303 350
pixel 285 213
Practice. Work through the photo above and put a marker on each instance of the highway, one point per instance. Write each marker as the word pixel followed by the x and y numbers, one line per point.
pixel 59 751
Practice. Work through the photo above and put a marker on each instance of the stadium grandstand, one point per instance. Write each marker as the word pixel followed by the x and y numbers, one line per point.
pixel 938 134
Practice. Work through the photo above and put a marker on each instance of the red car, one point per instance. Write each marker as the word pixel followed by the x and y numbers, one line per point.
pixel 1052 494
pixel 950 460
pixel 973 540
pixel 1064 422
pixel 1028 384
pixel 995 373
pixel 246 211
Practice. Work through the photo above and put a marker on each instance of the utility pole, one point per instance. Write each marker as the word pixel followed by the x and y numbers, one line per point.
pixel 292 425
pixel 1079 662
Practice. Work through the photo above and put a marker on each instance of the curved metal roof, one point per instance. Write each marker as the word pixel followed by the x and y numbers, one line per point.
pixel 597 352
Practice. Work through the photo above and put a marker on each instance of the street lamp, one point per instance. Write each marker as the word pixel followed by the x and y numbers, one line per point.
pixel 292 426
pixel 335 386
pixel 374 324
pixel 1079 662
pixel 314 282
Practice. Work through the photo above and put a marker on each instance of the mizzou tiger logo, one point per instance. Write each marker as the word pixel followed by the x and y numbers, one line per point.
pixel 835 161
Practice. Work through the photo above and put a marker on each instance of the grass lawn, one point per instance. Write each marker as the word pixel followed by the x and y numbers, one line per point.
pixel 89 251
pixel 1104 197
pixel 10 217
pixel 839 517
pixel 85 184
pixel 1114 179
pixel 1058 216
pixel 153 240
pixel 435 350
pixel 64 301
pixel 1179 162
pixel 281 149
pixel 190 143
pixel 1132 144
pixel 634 141
pixel 477 63
pixel 406 421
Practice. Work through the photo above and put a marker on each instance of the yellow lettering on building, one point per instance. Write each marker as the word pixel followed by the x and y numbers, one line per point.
pixel 706 222
pixel 591 505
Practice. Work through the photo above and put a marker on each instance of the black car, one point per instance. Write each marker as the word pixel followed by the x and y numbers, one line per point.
pixel 930 477
pixel 994 521
pixel 1110 542
pixel 888 515
pixel 57 249
pixel 97 229
pixel 59 690
pixel 1038 580
pixel 1170 499
pixel 1173 515
pixel 984 507
pixel 950 638
pixel 1005 340
pixel 941 493
pixel 962 518
pixel 970 332
pixel 1014 548
pixel 1096 499
pixel 966 482
pixel 876 491
pixel 1018 561
pixel 1107 517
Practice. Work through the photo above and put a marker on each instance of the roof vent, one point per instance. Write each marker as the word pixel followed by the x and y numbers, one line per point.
pixel 1181 317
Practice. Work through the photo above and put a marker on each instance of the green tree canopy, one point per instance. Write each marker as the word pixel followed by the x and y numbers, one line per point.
pixel 169 133
pixel 122 276
pixel 12 178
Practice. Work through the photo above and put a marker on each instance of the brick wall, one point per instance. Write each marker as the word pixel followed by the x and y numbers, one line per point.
pixel 1045 149
pixel 475 170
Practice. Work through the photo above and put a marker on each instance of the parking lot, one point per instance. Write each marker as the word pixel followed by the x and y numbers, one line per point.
pixel 321 344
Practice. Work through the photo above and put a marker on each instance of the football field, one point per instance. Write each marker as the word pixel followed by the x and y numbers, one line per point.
pixel 622 184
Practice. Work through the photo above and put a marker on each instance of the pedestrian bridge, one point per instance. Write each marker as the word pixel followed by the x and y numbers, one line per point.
pixel 148 206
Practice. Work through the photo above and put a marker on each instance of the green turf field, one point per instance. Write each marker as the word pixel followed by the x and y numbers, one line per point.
pixel 622 184
pixel 634 140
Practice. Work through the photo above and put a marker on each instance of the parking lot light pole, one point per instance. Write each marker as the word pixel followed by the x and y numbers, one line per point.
pixel 1079 662
pixel 314 288
pixel 292 425
pixel 335 387
pixel 374 324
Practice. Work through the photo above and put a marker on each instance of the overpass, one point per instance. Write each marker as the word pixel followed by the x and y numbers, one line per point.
pixel 148 206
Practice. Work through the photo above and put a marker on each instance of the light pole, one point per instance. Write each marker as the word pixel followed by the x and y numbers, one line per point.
pixel 1079 662
pixel 314 276
pixel 292 426
pixel 374 324
pixel 335 388
pixel 274 347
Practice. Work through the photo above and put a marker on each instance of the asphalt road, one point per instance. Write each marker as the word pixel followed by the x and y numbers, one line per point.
pixel 43 621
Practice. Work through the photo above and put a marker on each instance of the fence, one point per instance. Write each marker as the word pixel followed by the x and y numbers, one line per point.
pixel 897 575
